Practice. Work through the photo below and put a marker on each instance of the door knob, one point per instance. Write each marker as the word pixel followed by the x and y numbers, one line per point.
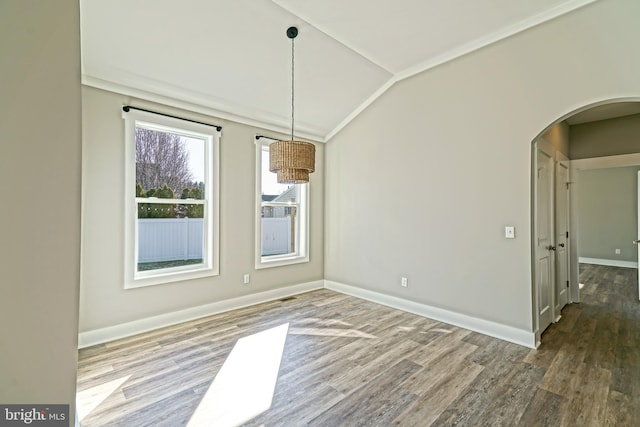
pixel 552 248
pixel 635 242
pixel 561 245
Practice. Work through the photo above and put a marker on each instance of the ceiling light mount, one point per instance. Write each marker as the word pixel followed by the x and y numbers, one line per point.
pixel 292 32
pixel 292 160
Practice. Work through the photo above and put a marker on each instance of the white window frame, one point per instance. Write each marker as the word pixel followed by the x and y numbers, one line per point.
pixel 211 256
pixel 301 253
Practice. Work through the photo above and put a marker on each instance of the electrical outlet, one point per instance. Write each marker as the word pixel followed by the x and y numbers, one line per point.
pixel 246 279
pixel 618 251
pixel 404 282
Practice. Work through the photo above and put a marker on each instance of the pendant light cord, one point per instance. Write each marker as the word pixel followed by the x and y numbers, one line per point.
pixel 292 84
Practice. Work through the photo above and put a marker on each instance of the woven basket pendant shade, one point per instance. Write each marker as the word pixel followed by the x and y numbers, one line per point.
pixel 292 161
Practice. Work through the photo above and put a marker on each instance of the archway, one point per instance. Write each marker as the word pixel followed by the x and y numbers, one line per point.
pixel 557 139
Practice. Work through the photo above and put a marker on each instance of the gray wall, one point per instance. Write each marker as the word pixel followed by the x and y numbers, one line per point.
pixel 104 301
pixel 607 205
pixel 606 137
pixel 40 149
pixel 424 181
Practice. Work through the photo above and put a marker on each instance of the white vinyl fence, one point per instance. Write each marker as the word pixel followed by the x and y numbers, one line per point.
pixel 169 239
pixel 276 236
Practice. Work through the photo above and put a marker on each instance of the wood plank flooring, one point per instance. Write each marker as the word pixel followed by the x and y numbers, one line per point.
pixel 349 362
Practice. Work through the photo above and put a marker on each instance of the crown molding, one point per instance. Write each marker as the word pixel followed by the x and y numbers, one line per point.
pixel 156 91
pixel 458 52
pixel 187 101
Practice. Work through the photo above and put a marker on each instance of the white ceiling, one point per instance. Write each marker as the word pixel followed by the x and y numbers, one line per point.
pixel 231 58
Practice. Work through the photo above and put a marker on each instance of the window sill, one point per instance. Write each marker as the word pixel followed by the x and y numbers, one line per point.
pixel 169 277
pixel 268 262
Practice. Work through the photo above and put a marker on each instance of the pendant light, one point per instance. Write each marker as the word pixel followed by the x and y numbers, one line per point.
pixel 292 160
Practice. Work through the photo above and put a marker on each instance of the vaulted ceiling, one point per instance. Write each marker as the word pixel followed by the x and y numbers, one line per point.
pixel 231 58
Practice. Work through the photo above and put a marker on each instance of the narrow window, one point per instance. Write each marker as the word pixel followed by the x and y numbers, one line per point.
pixel 171 224
pixel 281 215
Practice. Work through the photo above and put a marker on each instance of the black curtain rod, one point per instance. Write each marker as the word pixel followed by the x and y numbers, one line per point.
pixel 126 109
pixel 268 137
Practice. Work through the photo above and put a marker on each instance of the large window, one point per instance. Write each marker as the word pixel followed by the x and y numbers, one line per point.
pixel 171 199
pixel 282 231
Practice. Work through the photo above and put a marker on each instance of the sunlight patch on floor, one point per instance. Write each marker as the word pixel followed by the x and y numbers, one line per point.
pixel 89 399
pixel 245 384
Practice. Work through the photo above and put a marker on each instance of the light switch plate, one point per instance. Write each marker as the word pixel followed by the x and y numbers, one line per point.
pixel 510 232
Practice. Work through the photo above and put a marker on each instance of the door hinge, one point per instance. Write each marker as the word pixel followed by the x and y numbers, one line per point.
pixel 567 283
pixel 567 234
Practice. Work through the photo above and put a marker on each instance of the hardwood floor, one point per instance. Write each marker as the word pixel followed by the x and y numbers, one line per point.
pixel 349 362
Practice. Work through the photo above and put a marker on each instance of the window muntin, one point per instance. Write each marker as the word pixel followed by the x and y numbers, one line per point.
pixel 282 216
pixel 172 200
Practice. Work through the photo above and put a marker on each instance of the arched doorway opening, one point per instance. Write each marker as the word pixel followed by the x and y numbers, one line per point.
pixel 557 156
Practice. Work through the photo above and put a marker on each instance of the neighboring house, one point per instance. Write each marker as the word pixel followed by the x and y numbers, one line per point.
pixel 268 211
pixel 279 211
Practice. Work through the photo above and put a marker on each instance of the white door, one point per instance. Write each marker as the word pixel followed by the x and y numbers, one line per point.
pixel 562 234
pixel 544 267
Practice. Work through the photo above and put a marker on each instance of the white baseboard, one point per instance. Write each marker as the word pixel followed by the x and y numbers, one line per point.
pixel 99 336
pixel 609 262
pixel 486 327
